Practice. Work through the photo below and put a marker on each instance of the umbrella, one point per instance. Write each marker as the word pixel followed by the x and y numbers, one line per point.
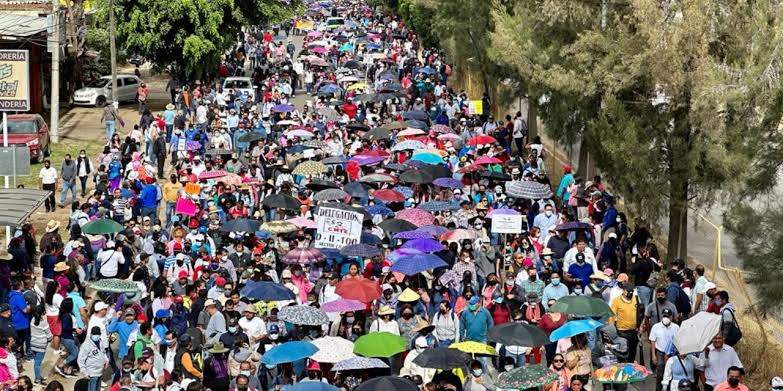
pixel 396 166
pixel 417 124
pixel 283 108
pixel 494 175
pixel 312 385
pixel 518 334
pixel 358 363
pixel 378 178
pixel 289 352
pixel 114 285
pixel 365 160
pixel 377 134
pixel 316 144
pixel 369 238
pixel 212 174
pixel 413 264
pixel 481 139
pixel 301 133
pixel 416 114
pixel 473 347
pixel 696 332
pixel 396 125
pixel 622 373
pixel 310 167
pixel 331 195
pixel 573 226
pixel 425 245
pixel 408 145
pixel 449 137
pixel 488 160
pixel 441 358
pixel 416 216
pixel 358 126
pixel 414 234
pixel 387 383
pixel 458 235
pixel 321 184
pixel 267 291
pixel 379 344
pixel 304 256
pixel 343 305
pixel 426 71
pixel 232 179
pixel 332 350
pixel 241 225
pixel 448 182
pixel 379 209
pixel 528 189
pixel 388 195
pixel 281 201
pixel 102 226
pixel 392 226
pixel 416 176
pixel 439 206
pixel 352 64
pixel 358 289
pixel 304 315
pixel 409 132
pixel 251 137
pixel 582 306
pixel 438 128
pixel 278 227
pixel 428 157
pixel 330 88
pixel 527 377
pixel 192 145
pixel 302 222
pixel 360 250
pixel 404 190
pixel 574 327
pixel 434 230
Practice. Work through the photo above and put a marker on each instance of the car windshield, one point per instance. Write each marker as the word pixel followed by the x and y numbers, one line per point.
pixel 334 22
pixel 98 83
pixel 237 84
pixel 22 127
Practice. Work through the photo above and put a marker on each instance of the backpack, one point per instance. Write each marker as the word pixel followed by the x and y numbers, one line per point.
pixel 683 302
pixel 733 334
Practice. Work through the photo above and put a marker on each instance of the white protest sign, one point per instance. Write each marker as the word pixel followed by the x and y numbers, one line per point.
pixel 506 224
pixel 337 228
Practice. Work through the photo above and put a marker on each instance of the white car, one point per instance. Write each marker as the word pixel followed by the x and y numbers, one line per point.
pixel 239 85
pixel 334 22
pixel 98 92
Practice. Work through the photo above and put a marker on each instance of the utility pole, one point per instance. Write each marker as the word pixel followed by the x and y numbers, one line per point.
pixel 113 49
pixel 54 119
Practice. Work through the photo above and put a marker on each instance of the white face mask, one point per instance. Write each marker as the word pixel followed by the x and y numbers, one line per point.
pixel 508 367
pixel 666 321
pixel 548 213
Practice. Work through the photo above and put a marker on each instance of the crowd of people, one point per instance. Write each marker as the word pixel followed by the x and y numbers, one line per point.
pixel 201 257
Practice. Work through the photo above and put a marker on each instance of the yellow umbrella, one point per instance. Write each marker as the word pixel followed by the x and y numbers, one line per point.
pixel 305 24
pixel 357 86
pixel 473 347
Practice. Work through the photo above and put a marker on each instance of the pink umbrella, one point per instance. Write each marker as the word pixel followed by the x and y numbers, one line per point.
pixel 304 256
pixel 458 234
pixel 388 195
pixel 437 128
pixel 488 160
pixel 212 174
pixel 314 34
pixel 231 179
pixel 302 222
pixel 410 132
pixel 415 216
pixel 318 49
pixel 343 305
pixel 449 137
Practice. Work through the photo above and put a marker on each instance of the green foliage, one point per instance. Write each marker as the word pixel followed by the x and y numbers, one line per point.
pixel 98 58
pixel 267 12
pixel 419 18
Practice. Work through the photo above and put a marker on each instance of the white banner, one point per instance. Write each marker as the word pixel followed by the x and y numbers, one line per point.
pixel 337 228
pixel 507 224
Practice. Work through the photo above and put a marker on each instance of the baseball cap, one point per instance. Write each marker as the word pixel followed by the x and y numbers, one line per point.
pixel 182 274
pixel 622 277
pixel 100 306
pixel 473 300
pixel 776 383
pixel 209 302
pixel 667 312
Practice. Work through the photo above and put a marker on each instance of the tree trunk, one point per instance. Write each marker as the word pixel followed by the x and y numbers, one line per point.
pixel 677 246
pixel 679 182
pixel 532 119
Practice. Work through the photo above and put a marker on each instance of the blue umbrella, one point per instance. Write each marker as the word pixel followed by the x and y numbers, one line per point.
pixel 406 191
pixel 330 88
pixel 313 386
pixel 416 124
pixel 360 250
pixel 347 47
pixel 414 234
pixel 439 206
pixel 289 352
pixel 335 160
pixel 331 253
pixel 426 71
pixel 435 230
pixel 283 108
pixel 574 327
pixel 412 264
pixel 379 209
pixel 448 182
pixel 425 245
pixel 368 238
pixel 417 115
pixel 267 291
pixel 429 158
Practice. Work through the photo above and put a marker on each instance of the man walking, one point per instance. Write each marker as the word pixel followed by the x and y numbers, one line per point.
pixel 68 175
pixel 48 178
pixel 110 116
pixel 142 92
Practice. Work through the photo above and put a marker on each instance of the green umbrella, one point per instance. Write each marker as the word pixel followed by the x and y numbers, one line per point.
pixel 531 376
pixel 379 344
pixel 582 306
pixel 102 227
pixel 114 285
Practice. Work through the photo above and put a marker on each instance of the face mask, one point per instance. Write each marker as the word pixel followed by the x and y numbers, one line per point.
pixel 419 349
pixel 246 373
pixel 555 281
pixel 95 338
pixel 718 302
pixel 477 372
pixel 473 307
pixel 580 261
pixel 660 300
pixel 444 310
pixel 508 367
pixel 227 293
pixel 232 329
pixel 628 295
pixel 492 282
pixel 666 321
pixel 407 315
pixel 298 273
pixel 532 278
pixel 733 381
pixel 180 262
pixel 548 213
pixel 274 337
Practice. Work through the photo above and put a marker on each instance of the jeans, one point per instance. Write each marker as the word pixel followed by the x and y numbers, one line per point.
pixel 71 348
pixel 142 106
pixel 109 130
pixel 644 293
pixel 169 212
pixel 49 202
pixel 38 358
pixel 94 384
pixel 23 341
pixel 68 185
pixel 151 212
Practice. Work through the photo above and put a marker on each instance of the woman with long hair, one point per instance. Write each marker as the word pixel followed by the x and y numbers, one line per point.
pixel 67 338
pixel 40 335
pixel 563 373
pixel 52 302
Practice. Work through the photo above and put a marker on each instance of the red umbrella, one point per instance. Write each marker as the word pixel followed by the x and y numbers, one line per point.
pixel 388 195
pixel 488 160
pixel 212 174
pixel 481 139
pixel 360 289
pixel 471 168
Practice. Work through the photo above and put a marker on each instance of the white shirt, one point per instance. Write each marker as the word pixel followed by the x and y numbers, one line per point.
pixel 54 308
pixel 389 327
pixel 109 262
pixel 717 364
pixel 48 176
pixel 253 328
pixel 570 257
pixel 97 321
pixel 662 336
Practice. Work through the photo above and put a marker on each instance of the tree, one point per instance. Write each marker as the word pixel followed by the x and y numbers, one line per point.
pixel 666 94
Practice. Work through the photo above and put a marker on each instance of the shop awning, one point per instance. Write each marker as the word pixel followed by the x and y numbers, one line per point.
pixel 16 205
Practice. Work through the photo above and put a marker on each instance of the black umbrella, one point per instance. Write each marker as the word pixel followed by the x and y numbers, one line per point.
pixel 321 184
pixel 518 334
pixel 417 124
pixel 494 175
pixel 352 64
pixel 573 226
pixel 339 205
pixel 396 166
pixel 281 201
pixel 417 115
pixel 441 358
pixel 356 189
pixel 241 225
pixel 392 226
pixel 215 151
pixel 437 171
pixel 251 137
pixel 396 125
pixel 387 383
pixel 377 134
pixel 358 126
pixel 416 176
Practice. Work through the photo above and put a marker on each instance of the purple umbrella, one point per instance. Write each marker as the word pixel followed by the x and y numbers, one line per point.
pixel 435 230
pixel 304 256
pixel 502 211
pixel 343 305
pixel 415 234
pixel 364 160
pixel 424 245
pixel 448 182
pixel 413 264
pixel 192 145
pixel 283 108
pixel 402 252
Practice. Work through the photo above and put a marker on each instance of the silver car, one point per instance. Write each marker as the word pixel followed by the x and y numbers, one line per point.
pixel 98 92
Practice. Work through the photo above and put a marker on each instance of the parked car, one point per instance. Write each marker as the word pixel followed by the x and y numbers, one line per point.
pixel 30 130
pixel 334 22
pixel 240 85
pixel 98 92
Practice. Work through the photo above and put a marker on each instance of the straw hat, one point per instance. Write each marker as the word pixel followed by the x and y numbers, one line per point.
pixel 6 257
pixel 599 275
pixel 169 106
pixel 385 310
pixel 423 327
pixel 408 295
pixel 52 226
pixel 60 267
pixel 218 347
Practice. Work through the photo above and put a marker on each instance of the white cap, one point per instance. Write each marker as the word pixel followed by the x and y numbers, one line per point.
pixel 776 382
pixel 386 287
pixel 421 342
pixel 709 285
pixel 612 235
pixel 100 306
pixel 209 302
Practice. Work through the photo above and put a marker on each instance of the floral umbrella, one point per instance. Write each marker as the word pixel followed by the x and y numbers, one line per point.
pixel 358 363
pixel 304 256
pixel 343 305
pixel 416 216
pixel 622 373
pixel 212 174
pixel 302 222
pixel 531 376
pixel 388 195
pixel 304 315
pixel 458 235
pixel 332 350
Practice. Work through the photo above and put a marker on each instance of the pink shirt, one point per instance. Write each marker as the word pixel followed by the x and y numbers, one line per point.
pixel 726 387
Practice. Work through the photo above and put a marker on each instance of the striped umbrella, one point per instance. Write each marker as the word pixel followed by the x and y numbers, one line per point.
pixel 310 167
pixel 304 256
pixel 408 145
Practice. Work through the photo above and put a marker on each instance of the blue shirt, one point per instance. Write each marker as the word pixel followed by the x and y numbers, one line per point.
pixel 562 190
pixel 474 326
pixel 78 304
pixel 553 292
pixel 149 196
pixel 123 330
pixel 168 116
pixel 18 304
pixel 581 272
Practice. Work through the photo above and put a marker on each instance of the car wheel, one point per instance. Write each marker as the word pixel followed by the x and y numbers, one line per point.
pixel 100 101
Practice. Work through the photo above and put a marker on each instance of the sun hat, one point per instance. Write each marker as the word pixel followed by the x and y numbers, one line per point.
pixel 385 310
pixel 52 226
pixel 60 267
pixel 408 295
pixel 100 306
pixel 218 347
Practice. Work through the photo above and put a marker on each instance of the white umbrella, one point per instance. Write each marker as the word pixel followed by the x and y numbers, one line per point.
pixel 332 349
pixel 696 332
